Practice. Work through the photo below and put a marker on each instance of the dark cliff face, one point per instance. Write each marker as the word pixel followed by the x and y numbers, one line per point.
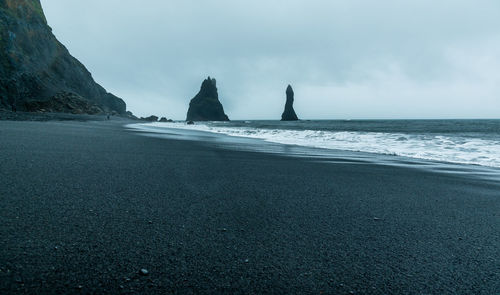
pixel 289 112
pixel 205 106
pixel 34 66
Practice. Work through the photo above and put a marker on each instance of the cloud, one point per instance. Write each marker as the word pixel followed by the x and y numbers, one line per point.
pixel 356 59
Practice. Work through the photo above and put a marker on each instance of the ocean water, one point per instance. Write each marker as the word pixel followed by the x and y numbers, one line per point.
pixel 470 142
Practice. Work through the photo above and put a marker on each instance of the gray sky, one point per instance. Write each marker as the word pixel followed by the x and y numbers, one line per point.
pixel 345 59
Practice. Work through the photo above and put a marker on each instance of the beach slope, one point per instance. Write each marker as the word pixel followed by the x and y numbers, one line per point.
pixel 85 206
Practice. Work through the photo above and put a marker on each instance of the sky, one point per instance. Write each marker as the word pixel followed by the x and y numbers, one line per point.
pixel 354 59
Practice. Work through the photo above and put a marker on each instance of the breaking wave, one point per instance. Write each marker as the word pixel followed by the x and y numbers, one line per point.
pixel 436 147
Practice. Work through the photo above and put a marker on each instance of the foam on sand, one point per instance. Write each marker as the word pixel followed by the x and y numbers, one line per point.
pixel 453 149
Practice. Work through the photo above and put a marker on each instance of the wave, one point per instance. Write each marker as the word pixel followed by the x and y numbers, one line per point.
pixel 444 148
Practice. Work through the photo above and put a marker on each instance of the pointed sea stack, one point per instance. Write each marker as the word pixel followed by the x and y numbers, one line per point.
pixel 205 106
pixel 289 113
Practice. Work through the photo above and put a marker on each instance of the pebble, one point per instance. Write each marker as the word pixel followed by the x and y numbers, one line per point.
pixel 144 272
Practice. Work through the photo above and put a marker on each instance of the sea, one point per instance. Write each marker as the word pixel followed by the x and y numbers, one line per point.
pixel 461 145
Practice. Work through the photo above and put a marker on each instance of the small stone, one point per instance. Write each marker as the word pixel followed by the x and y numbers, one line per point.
pixel 144 272
pixel 246 260
pixel 79 287
pixel 121 287
pixel 150 222
pixel 376 218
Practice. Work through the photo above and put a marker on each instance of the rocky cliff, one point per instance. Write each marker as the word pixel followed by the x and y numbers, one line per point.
pixel 289 112
pixel 205 106
pixel 37 70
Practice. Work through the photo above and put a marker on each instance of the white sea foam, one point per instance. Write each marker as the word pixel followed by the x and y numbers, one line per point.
pixel 454 149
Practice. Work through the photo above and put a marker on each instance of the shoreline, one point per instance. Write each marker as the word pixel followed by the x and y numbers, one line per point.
pixel 87 205
pixel 242 143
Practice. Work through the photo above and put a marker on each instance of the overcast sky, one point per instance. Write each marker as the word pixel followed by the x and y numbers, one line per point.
pixel 345 59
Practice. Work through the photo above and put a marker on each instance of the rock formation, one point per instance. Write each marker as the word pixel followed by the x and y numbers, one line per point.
pixel 205 106
pixel 64 102
pixel 151 118
pixel 37 72
pixel 289 113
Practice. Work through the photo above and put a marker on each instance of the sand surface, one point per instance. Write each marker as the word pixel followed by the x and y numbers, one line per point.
pixel 84 206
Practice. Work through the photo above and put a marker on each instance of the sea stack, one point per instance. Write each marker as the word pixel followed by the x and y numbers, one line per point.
pixel 37 73
pixel 289 113
pixel 205 106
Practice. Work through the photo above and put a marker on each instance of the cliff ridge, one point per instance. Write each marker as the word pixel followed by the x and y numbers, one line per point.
pixel 36 69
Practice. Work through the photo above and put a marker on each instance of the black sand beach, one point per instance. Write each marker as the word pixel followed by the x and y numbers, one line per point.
pixel 84 206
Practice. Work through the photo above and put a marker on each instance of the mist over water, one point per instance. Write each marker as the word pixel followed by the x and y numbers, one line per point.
pixel 475 142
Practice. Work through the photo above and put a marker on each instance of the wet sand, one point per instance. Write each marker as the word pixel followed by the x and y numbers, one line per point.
pixel 84 206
